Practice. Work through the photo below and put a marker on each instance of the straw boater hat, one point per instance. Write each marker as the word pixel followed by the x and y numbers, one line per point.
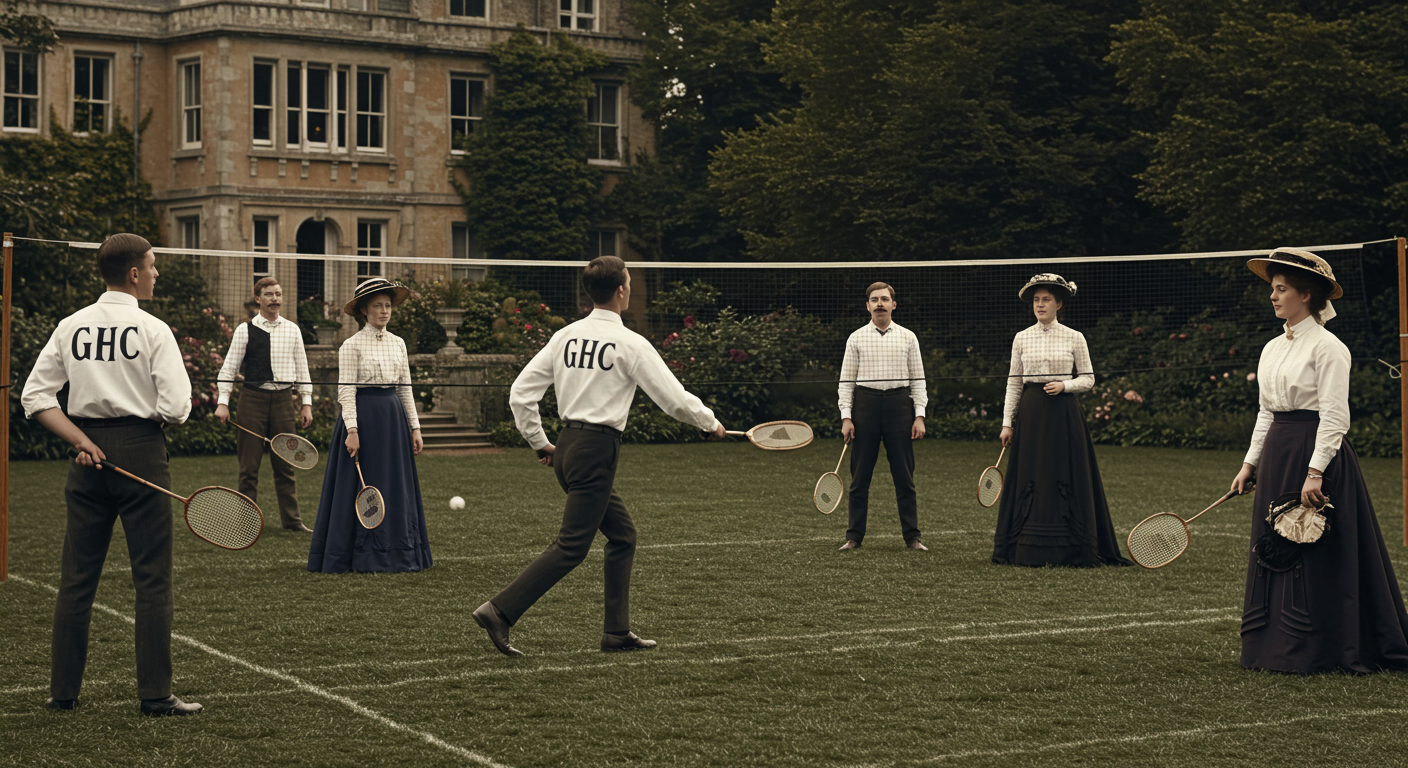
pixel 1047 278
pixel 1295 257
pixel 373 285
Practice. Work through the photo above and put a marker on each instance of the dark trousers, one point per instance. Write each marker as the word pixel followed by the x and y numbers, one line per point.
pixel 96 498
pixel 882 416
pixel 585 462
pixel 267 413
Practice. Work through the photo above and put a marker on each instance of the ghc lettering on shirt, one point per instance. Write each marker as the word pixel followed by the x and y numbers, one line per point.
pixel 588 352
pixel 86 346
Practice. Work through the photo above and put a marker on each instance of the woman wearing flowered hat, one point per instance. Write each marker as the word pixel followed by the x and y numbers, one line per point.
pixel 1053 509
pixel 379 426
pixel 1331 604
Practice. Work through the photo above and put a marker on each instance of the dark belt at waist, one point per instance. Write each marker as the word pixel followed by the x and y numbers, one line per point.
pixel 259 386
pixel 1286 417
pixel 83 422
pixel 873 392
pixel 602 428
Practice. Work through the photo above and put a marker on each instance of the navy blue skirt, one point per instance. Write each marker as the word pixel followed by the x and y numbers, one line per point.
pixel 401 542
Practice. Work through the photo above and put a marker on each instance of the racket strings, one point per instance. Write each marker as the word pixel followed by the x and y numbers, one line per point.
pixel 1158 540
pixel 783 436
pixel 295 450
pixel 989 486
pixel 371 508
pixel 828 493
pixel 224 518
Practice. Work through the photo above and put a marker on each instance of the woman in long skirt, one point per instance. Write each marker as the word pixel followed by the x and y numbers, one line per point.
pixel 1333 604
pixel 1053 509
pixel 379 427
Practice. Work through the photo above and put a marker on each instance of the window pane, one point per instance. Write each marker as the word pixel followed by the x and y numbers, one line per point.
pixel 565 22
pixel 29 78
pixel 12 72
pixel 584 22
pixel 459 97
pixel 317 88
pixel 566 6
pixel 318 127
pixel 261 267
pixel 585 6
pixel 608 104
pixel 475 8
pixel 100 79
pixel 263 130
pixel 456 7
pixel 264 85
pixel 295 86
pixel 261 235
pixel 82 77
pixel 97 117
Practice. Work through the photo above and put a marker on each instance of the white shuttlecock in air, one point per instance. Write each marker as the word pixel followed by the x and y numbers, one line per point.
pixel 457 503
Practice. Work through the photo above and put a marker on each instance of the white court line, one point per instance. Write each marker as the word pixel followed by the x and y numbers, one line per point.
pixel 297 683
pixel 516 670
pixel 1185 733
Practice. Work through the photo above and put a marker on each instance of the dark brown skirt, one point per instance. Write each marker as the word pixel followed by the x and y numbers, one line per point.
pixel 1338 607
pixel 1053 509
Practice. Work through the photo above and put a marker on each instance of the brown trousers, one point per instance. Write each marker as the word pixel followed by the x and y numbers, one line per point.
pixel 267 413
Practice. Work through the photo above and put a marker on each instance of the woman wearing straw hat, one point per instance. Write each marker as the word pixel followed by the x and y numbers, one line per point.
pixel 1053 509
pixel 1329 600
pixel 379 427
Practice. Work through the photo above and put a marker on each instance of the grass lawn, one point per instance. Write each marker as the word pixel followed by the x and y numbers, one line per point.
pixel 775 649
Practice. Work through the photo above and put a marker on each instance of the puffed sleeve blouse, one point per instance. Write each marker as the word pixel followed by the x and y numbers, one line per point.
pixel 1045 353
pixel 373 358
pixel 1304 369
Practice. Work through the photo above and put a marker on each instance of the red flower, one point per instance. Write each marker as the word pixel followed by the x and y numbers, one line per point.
pixel 528 327
pixel 737 355
pixel 689 321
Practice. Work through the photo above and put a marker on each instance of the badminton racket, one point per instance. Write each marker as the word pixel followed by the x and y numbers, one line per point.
pixel 778 435
pixel 224 517
pixel 371 509
pixel 290 447
pixel 1160 539
pixel 990 482
pixel 827 494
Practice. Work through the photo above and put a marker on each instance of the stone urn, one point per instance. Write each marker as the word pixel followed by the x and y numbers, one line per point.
pixel 450 319
pixel 327 335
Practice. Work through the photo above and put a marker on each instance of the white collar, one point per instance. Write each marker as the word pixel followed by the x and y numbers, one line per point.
pixel 1046 328
pixel 259 318
pixel 372 331
pixel 605 314
pixel 1302 328
pixel 118 297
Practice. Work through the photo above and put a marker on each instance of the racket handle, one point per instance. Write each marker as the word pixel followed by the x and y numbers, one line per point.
pixel 250 431
pixel 105 464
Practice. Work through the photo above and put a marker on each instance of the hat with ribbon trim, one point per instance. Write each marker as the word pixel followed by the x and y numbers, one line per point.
pixel 376 285
pixel 1047 278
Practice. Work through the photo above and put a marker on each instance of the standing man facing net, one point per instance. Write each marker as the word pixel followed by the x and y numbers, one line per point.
pixel 126 381
pixel 882 398
pixel 271 349
pixel 594 365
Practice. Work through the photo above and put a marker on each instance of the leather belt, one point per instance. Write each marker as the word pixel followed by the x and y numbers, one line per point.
pixel 602 428
pixel 882 392
pixel 83 422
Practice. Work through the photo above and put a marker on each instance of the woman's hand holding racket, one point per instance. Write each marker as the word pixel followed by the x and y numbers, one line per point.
pixel 354 444
pixel 1006 437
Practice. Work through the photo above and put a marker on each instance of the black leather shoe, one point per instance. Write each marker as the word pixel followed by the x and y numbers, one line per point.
pixel 169 706
pixel 917 544
pixel 849 545
pixel 626 642
pixel 62 704
pixel 488 617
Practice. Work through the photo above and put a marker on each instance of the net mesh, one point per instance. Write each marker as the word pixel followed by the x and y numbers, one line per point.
pixel 295 450
pixel 781 435
pixel 828 493
pixel 989 486
pixel 224 518
pixel 371 509
pixel 1158 540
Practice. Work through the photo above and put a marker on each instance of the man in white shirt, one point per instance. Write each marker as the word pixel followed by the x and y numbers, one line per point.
pixel 126 381
pixel 882 397
pixel 594 365
pixel 271 349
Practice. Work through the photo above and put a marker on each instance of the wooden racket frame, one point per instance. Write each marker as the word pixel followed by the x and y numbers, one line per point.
pixel 979 489
pixel 749 435
pixel 270 441
pixel 186 501
pixel 381 502
pixel 1248 487
pixel 837 473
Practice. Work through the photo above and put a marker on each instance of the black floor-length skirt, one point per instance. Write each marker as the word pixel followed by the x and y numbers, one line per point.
pixel 401 542
pixel 1053 509
pixel 1339 607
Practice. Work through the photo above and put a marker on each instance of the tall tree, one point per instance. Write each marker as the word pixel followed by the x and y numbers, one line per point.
pixel 1276 121
pixel 968 128
pixel 704 76
pixel 531 193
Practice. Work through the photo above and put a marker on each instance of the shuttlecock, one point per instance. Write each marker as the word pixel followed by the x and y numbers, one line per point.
pixel 456 503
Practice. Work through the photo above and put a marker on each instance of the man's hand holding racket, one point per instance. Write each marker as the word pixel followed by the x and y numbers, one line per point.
pixel 545 454
pixel 848 430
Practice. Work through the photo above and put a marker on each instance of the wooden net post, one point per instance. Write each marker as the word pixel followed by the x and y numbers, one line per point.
pixel 5 274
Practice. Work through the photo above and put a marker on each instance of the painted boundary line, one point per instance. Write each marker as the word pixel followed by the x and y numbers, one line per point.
pixel 721 659
pixel 299 684
pixel 1184 733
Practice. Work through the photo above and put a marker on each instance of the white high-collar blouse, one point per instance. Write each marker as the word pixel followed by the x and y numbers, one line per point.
pixel 1304 369
pixel 373 358
pixel 1045 353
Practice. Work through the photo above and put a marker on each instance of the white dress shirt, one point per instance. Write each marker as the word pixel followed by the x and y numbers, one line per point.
pixel 1043 353
pixel 878 359
pixel 287 359
pixel 373 358
pixel 1305 369
pixel 117 360
pixel 595 365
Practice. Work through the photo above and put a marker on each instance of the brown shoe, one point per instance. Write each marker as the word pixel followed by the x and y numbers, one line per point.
pixel 917 544
pixel 300 528
pixel 626 642
pixel 168 707
pixel 849 545
pixel 488 617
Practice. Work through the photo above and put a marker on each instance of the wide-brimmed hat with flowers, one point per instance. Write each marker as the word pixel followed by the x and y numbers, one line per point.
pixel 1047 278
pixel 368 287
pixel 1300 259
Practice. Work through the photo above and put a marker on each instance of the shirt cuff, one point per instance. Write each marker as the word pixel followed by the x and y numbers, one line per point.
pixel 919 413
pixel 845 413
pixel 222 400
pixel 307 399
pixel 1322 458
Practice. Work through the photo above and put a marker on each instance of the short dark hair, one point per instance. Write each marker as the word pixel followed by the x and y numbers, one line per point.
pixel 264 282
pixel 361 306
pixel 1304 282
pixel 602 277
pixel 877 286
pixel 119 254
pixel 1057 292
